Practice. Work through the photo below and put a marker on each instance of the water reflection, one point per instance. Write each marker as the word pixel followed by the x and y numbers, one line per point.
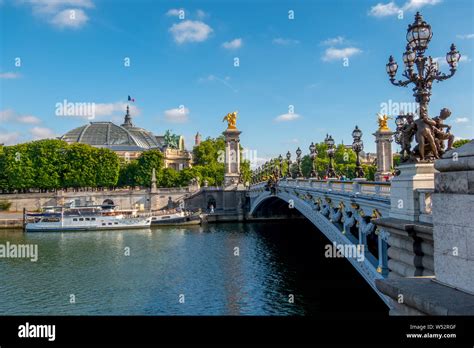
pixel 225 269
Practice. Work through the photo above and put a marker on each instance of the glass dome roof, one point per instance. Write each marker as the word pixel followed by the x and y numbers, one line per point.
pixel 110 135
pixel 125 137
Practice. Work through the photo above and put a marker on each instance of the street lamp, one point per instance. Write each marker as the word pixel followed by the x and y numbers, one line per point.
pixel 280 166
pixel 298 162
pixel 418 37
pixel 358 146
pixel 330 173
pixel 288 160
pixel 313 154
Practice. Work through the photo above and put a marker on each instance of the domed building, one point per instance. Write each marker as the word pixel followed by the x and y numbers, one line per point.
pixel 128 141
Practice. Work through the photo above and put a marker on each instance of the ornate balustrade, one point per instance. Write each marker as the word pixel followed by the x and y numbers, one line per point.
pixel 425 205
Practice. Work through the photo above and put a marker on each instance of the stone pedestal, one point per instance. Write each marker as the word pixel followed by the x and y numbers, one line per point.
pixel 383 139
pixel 453 211
pixel 232 158
pixel 451 290
pixel 404 201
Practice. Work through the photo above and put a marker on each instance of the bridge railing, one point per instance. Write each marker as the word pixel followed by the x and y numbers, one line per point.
pixel 372 188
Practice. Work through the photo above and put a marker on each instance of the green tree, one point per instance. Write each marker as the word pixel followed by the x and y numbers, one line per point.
pixel 145 163
pixel 107 168
pixel 80 165
pixel 19 168
pixel 209 151
pixel 127 174
pixel 187 174
pixel 168 177
pixel 460 142
pixel 48 161
pixel 3 174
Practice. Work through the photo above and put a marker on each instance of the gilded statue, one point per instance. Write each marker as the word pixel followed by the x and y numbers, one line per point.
pixel 231 119
pixel 382 120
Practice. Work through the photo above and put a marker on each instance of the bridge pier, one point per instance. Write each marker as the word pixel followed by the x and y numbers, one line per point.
pixel 451 290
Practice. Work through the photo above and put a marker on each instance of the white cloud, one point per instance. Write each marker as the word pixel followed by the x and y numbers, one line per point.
pixel 54 6
pixel 115 109
pixel 285 42
pixel 177 115
pixel 287 117
pixel 232 45
pixel 28 119
pixel 383 10
pixel 174 12
pixel 61 13
pixel 391 8
pixel 6 115
pixel 339 40
pixel 70 18
pixel 466 36
pixel 10 115
pixel 332 53
pixel 38 133
pixel 413 5
pixel 9 75
pixel 442 60
pixel 8 138
pixel 224 81
pixel 190 31
pixel 461 120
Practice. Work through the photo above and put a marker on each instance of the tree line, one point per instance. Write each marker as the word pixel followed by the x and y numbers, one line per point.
pixel 51 164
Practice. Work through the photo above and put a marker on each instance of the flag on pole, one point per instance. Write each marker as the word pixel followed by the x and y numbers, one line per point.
pixel 131 99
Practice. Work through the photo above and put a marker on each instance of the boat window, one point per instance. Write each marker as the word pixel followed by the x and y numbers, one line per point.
pixel 92 219
pixel 81 219
pixel 166 217
pixel 110 223
pixel 88 219
pixel 103 224
pixel 116 223
pixel 74 219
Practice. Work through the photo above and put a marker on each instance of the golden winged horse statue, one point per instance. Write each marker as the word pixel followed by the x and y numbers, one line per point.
pixel 231 119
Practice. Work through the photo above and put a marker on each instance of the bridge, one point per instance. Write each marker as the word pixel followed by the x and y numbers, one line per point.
pixel 345 212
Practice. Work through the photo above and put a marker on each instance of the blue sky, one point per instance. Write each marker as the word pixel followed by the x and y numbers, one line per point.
pixel 292 85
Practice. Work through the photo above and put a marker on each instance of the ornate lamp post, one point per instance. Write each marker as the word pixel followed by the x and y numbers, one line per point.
pixel 418 37
pixel 298 162
pixel 358 146
pixel 313 154
pixel 280 166
pixel 288 161
pixel 330 173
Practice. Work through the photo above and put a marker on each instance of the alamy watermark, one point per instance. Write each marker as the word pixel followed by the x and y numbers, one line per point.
pixel 246 155
pixel 78 109
pixel 335 250
pixel 391 107
pixel 21 251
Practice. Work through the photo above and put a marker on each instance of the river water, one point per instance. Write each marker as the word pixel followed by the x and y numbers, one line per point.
pixel 217 269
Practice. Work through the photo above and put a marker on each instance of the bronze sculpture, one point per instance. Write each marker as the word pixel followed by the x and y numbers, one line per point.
pixel 429 134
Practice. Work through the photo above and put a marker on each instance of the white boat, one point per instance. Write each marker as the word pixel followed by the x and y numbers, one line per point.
pixel 92 218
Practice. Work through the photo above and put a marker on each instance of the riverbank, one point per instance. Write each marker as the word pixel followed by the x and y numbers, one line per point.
pixel 11 220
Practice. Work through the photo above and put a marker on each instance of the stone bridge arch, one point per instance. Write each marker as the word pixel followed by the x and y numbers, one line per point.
pixel 307 209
